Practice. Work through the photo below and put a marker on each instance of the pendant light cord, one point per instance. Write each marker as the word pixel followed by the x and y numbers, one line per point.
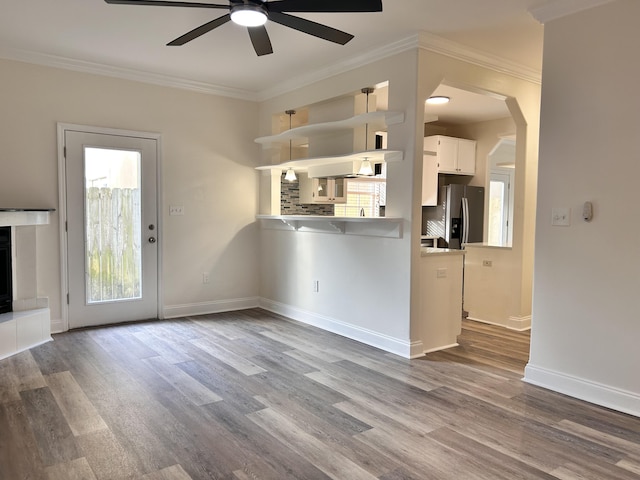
pixel 290 113
pixel 367 91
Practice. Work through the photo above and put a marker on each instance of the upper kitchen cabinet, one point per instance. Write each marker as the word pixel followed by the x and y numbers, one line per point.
pixel 322 190
pixel 455 156
pixel 429 180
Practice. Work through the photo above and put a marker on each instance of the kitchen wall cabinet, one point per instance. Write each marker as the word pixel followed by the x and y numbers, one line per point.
pixel 322 190
pixel 429 180
pixel 455 156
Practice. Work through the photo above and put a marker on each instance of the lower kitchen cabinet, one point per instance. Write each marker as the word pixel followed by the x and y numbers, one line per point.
pixel 323 190
pixel 440 297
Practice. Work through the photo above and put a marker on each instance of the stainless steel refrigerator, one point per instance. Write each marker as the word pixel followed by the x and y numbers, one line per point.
pixel 463 214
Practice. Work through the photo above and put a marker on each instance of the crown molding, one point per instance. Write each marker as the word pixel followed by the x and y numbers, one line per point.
pixel 124 73
pixel 423 40
pixel 562 8
pixel 471 55
pixel 339 67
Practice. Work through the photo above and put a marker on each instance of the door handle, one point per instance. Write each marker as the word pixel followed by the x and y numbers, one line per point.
pixel 152 239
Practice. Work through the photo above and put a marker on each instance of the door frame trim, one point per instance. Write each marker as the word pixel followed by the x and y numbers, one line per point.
pixel 62 202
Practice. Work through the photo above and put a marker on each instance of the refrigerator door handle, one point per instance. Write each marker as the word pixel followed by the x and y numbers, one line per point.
pixel 461 225
pixel 465 221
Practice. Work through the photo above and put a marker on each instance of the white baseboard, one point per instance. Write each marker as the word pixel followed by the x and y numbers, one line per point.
pixel 583 389
pixel 58 326
pixel 437 349
pixel 519 324
pixel 203 308
pixel 403 348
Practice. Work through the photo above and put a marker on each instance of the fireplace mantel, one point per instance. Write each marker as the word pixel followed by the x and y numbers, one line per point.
pixel 17 217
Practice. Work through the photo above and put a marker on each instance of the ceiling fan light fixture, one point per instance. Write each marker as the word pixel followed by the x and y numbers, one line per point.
pixel 438 100
pixel 248 15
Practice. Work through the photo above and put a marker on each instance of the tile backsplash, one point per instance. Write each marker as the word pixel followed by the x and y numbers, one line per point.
pixel 290 201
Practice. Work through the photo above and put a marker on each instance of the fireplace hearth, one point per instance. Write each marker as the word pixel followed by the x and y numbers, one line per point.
pixel 25 318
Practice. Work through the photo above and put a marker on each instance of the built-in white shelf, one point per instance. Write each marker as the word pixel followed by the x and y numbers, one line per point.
pixel 390 227
pixel 376 120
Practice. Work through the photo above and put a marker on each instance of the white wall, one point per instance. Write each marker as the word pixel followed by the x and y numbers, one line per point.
pixel 208 160
pixel 585 328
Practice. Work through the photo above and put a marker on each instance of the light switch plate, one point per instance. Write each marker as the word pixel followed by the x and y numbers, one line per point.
pixel 561 216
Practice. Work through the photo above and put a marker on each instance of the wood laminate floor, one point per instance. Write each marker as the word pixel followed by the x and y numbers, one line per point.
pixel 251 395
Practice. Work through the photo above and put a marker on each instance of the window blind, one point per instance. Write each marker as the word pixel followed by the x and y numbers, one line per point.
pixel 364 196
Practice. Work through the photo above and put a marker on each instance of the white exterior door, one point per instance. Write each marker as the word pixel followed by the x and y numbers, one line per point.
pixel 111 215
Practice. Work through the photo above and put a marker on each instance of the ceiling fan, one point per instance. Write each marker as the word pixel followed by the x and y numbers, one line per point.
pixel 253 14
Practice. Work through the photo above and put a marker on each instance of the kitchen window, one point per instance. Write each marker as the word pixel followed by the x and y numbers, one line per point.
pixel 364 198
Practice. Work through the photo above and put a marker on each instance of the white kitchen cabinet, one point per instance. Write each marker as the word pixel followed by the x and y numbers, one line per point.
pixel 322 190
pixel 441 298
pixel 429 180
pixel 454 155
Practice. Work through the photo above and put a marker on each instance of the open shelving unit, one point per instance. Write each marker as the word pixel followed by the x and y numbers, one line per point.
pixel 376 120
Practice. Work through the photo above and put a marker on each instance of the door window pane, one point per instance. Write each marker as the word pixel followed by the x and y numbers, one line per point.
pixel 113 257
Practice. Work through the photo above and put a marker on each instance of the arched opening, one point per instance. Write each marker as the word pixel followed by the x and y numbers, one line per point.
pixel 497 269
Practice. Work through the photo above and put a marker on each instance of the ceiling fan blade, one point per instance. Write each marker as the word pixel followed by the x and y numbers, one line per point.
pixel 201 30
pixel 260 40
pixel 163 3
pixel 312 28
pixel 328 6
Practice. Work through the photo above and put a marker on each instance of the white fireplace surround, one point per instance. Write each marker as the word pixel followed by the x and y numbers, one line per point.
pixel 30 322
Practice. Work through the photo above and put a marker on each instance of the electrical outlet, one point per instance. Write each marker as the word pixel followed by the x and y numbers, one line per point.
pixel 487 263
pixel 176 210
pixel 561 216
pixel 441 273
pixel 205 278
pixel 316 286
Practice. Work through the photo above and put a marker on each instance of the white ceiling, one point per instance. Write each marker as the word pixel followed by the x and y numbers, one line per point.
pixel 129 40
pixel 465 107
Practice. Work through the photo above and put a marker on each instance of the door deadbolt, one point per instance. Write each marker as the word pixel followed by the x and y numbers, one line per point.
pixel 152 227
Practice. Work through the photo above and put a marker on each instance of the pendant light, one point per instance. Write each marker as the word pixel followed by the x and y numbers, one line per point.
pixel 365 167
pixel 291 174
